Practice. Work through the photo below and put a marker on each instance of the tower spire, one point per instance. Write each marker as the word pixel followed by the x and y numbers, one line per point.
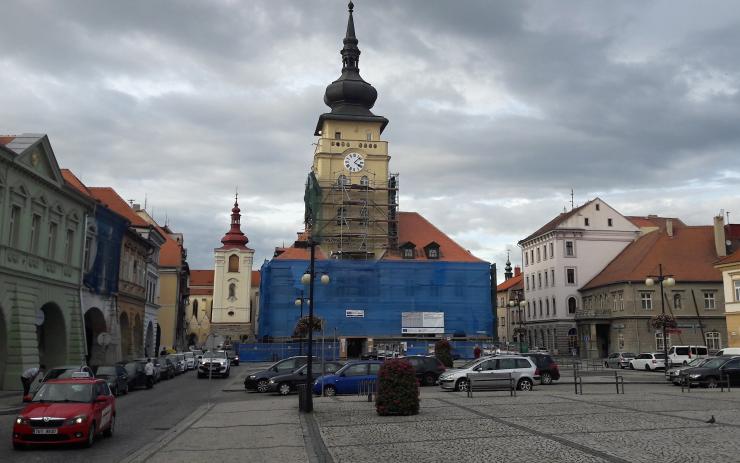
pixel 507 270
pixel 350 53
pixel 235 237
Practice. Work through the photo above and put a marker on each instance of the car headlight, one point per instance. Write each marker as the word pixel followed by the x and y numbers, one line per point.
pixel 76 420
pixel 695 376
pixel 252 376
pixel 21 420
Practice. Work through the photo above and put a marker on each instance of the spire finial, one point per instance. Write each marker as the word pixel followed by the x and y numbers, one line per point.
pixel 351 7
pixel 236 195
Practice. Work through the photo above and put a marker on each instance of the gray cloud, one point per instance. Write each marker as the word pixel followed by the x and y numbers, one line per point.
pixel 496 109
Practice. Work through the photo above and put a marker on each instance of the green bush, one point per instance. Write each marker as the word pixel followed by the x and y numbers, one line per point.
pixel 398 389
pixel 443 351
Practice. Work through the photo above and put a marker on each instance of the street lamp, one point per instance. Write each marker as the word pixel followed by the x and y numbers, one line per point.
pixel 299 303
pixel 662 280
pixel 309 278
pixel 518 302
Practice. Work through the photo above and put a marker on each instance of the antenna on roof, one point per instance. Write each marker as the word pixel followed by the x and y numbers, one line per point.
pixel 166 219
pixel 571 199
pixel 131 202
pixel 728 217
pixel 565 209
pixel 145 198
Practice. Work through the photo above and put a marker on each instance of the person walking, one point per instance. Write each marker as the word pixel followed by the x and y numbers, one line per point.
pixel 149 372
pixel 28 377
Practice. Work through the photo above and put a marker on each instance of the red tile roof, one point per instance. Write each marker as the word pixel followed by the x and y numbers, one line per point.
pixel 5 139
pixel 256 278
pixel 511 283
pixel 201 277
pixel 72 180
pixel 688 255
pixel 114 202
pixel 201 291
pixel 170 254
pixel 733 258
pixel 653 221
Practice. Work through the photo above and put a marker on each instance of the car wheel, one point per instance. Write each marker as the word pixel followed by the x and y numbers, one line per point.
pixel 462 385
pixel 91 435
pixel 284 388
pixel 429 379
pixel 330 391
pixel 632 367
pixel 109 432
pixel 685 363
pixel 263 385
pixel 621 367
pixel 712 383
pixel 546 378
pixel 525 384
pixel 647 367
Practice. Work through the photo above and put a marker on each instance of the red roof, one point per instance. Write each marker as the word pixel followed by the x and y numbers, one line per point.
pixel 5 139
pixel 201 277
pixel 72 180
pixel 653 221
pixel 688 256
pixel 256 278
pixel 114 202
pixel 733 258
pixel 170 254
pixel 510 283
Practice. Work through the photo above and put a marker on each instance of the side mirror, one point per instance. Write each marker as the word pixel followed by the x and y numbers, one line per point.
pixel 101 398
pixel 477 368
pixel 27 398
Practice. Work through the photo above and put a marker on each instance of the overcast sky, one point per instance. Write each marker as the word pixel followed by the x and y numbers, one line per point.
pixel 496 109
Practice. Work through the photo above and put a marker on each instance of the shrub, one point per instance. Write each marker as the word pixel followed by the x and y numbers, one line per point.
pixel 398 389
pixel 301 327
pixel 443 351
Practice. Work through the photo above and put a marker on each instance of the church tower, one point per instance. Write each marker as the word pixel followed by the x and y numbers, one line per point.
pixel 232 283
pixel 359 218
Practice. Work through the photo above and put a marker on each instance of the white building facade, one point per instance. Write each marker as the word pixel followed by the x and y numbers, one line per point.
pixel 558 259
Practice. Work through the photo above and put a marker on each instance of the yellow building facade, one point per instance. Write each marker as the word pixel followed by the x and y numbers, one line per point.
pixel 730 267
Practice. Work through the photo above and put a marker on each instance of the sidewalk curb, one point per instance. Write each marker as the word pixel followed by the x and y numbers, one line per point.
pixel 146 452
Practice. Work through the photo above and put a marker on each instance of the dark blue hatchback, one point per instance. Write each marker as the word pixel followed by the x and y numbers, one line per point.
pixel 347 380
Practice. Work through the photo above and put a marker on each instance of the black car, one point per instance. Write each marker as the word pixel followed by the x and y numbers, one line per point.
pixel 548 368
pixel 136 374
pixel 285 383
pixel 115 376
pixel 166 368
pixel 233 357
pixel 715 371
pixel 260 381
pixel 428 368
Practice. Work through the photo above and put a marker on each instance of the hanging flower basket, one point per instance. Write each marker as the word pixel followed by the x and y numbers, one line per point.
pixel 520 331
pixel 301 327
pixel 663 320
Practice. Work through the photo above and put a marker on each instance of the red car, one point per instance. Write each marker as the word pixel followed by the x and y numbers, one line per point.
pixel 66 411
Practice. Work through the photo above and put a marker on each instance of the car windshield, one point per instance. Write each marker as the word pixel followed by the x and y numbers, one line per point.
pixel 106 371
pixel 215 355
pixel 64 392
pixel 470 364
pixel 715 363
pixel 697 362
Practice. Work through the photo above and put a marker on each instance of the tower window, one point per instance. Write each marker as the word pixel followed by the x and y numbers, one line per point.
pixel 233 263
pixel 343 180
pixel 232 291
pixel 369 136
pixel 337 135
pixel 364 181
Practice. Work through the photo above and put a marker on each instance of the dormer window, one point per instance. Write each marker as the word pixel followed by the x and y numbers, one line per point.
pixel 432 250
pixel 408 253
pixel 408 250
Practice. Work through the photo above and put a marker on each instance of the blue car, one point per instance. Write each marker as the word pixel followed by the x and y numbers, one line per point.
pixel 348 378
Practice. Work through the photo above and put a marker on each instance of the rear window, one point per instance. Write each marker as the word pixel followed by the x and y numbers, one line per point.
pixel 659 356
pixel 522 363
pixel 701 350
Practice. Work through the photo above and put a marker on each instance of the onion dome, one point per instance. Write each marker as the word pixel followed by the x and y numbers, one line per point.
pixel 350 97
pixel 235 237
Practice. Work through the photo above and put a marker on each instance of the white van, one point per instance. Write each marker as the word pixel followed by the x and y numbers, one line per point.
pixel 681 355
pixel 729 351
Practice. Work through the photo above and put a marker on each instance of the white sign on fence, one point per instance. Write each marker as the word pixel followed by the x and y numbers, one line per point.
pixel 422 322
pixel 354 313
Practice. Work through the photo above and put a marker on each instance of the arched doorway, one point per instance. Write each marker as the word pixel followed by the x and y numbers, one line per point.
pixel 3 346
pixel 149 347
pixel 94 325
pixel 51 335
pixel 138 336
pixel 125 337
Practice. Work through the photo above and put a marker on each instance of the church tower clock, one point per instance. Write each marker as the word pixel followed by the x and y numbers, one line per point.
pixel 359 195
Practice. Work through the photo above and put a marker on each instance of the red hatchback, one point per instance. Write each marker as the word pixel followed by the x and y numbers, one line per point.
pixel 65 411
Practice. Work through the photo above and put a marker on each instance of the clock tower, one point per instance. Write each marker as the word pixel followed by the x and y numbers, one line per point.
pixel 359 194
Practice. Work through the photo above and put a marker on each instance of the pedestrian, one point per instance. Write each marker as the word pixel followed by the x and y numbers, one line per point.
pixel 476 352
pixel 28 377
pixel 149 372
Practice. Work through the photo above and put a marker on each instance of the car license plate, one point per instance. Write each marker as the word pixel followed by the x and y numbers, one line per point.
pixel 45 431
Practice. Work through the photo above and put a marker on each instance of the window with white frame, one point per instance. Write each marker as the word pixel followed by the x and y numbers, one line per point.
pixel 552 250
pixel 552 277
pixel 736 283
pixel 526 259
pixel 546 279
pixel 646 300
pixel 526 279
pixel 547 307
pixel 620 341
pixel 570 249
pixel 659 341
pixel 714 341
pixel 15 226
pixel 709 300
pixel 538 253
pixel 570 276
pixel 540 303
pixel 539 279
pixel 544 252
pixel 677 301
pixel 554 310
pixel 531 255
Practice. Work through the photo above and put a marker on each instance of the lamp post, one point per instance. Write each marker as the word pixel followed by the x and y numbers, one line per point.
pixel 662 280
pixel 309 278
pixel 299 303
pixel 520 303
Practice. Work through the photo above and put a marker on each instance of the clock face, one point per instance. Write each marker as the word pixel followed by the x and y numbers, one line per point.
pixel 354 162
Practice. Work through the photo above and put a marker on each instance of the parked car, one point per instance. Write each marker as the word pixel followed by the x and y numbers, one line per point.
pixel 157 367
pixel 648 361
pixel 523 369
pixel 728 351
pixel 115 376
pixel 136 374
pixel 214 363
pixel 619 359
pixel 233 357
pixel 427 367
pixel 288 382
pixel 674 374
pixel 682 355
pixel 347 379
pixel 178 360
pixel 190 362
pixel 167 368
pixel 60 372
pixel 713 372
pixel 260 381
pixel 548 368
pixel 73 410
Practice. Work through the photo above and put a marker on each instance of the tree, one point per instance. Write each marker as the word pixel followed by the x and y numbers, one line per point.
pixel 443 351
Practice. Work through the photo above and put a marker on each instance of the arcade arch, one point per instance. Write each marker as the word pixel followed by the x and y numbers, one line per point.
pixel 51 335
pixel 94 326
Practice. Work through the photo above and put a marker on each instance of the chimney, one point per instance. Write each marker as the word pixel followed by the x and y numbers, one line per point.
pixel 136 207
pixel 517 271
pixel 669 227
pixel 719 236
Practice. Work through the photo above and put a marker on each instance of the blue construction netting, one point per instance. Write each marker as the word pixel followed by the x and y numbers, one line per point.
pixel 382 290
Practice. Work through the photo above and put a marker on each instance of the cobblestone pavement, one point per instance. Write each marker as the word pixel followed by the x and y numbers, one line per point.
pixel 650 423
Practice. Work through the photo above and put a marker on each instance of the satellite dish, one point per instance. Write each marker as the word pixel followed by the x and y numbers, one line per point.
pixel 104 339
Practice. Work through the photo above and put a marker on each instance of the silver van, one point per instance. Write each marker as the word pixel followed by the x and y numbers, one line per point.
pixel 682 355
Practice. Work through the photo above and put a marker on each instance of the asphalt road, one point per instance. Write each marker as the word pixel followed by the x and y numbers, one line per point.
pixel 142 416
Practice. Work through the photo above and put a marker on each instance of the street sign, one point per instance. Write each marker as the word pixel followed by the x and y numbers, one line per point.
pixel 354 313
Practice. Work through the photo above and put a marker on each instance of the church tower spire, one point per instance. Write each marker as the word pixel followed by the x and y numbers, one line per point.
pixel 235 237
pixel 507 270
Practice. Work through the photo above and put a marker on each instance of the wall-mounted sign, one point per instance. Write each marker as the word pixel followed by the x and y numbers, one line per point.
pixel 354 313
pixel 422 322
